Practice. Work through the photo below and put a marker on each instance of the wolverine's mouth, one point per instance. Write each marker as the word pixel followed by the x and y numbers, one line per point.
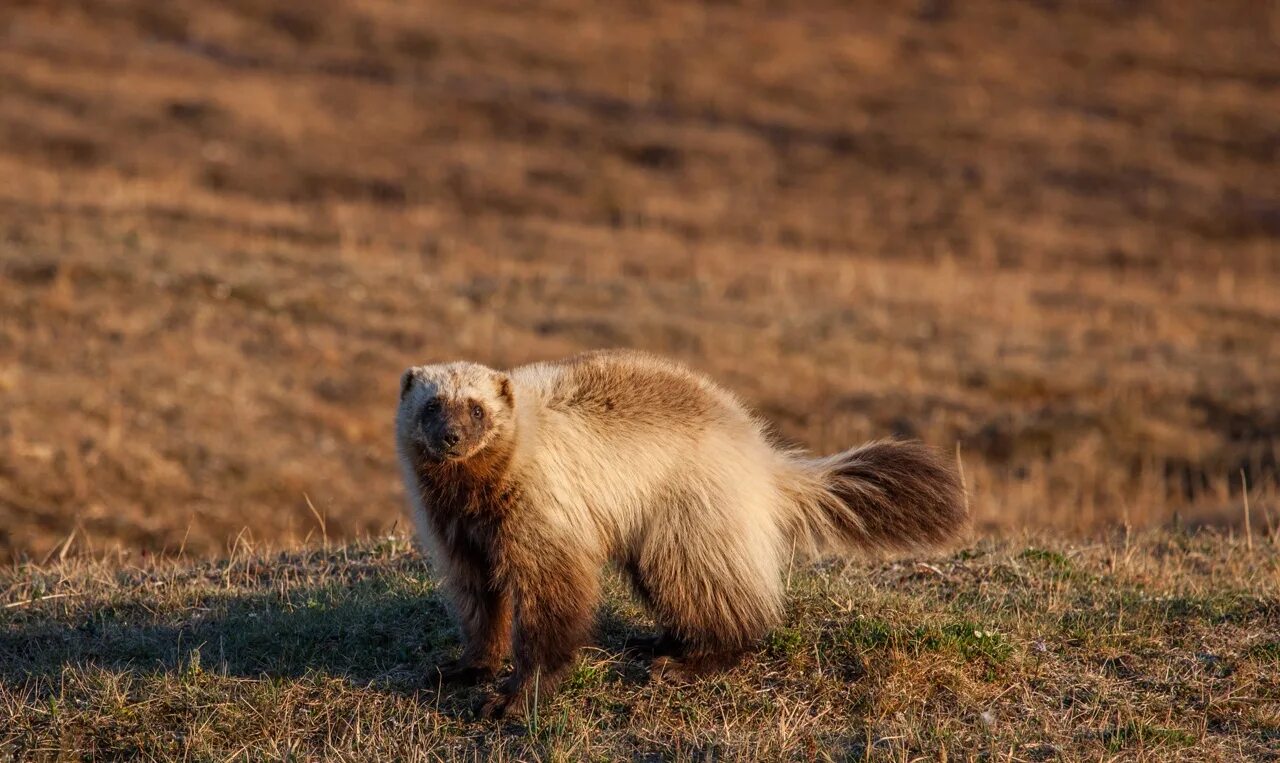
pixel 439 452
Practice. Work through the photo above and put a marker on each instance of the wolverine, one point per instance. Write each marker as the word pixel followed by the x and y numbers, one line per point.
pixel 524 483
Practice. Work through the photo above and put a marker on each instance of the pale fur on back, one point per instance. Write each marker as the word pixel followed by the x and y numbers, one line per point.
pixel 676 469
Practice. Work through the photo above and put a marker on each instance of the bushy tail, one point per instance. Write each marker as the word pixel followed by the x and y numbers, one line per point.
pixel 885 495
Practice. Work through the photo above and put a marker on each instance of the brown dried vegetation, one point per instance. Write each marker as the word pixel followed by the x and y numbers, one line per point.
pixel 1044 233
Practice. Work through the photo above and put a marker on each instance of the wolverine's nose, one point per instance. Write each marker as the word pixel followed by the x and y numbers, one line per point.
pixel 450 438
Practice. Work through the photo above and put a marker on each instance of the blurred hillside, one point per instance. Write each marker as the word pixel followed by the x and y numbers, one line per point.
pixel 1046 234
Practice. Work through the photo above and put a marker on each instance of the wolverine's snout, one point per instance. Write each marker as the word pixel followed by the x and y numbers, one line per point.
pixel 447 441
pixel 435 431
pixel 444 433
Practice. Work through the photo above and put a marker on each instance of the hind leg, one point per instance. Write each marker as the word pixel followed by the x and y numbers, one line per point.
pixel 672 658
pixel 692 666
pixel 665 643
pixel 712 583
pixel 709 649
pixel 675 659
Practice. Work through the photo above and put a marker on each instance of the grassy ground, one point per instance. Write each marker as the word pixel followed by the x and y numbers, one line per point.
pixel 1044 234
pixel 1157 647
pixel 1043 231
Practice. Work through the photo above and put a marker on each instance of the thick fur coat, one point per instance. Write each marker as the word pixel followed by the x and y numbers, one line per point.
pixel 523 484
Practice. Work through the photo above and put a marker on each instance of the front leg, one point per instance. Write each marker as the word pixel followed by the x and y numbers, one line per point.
pixel 481 605
pixel 484 615
pixel 555 589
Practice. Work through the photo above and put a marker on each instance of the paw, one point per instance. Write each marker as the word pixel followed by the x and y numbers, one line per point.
pixel 641 646
pixel 500 705
pixel 460 671
pixel 690 667
pixel 669 669
pixel 661 645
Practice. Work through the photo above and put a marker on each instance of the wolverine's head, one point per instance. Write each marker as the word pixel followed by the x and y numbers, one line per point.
pixel 453 411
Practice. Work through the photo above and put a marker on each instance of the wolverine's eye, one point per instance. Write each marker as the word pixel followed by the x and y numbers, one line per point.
pixel 477 412
pixel 432 405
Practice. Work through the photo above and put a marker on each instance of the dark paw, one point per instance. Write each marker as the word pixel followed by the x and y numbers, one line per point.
pixel 662 645
pixel 642 646
pixel 500 705
pixel 458 671
pixel 690 667
pixel 670 670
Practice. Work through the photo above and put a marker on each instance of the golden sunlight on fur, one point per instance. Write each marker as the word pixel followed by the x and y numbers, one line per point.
pixel 524 484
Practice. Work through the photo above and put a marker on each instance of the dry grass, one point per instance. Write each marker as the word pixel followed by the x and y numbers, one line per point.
pixel 1165 646
pixel 1043 232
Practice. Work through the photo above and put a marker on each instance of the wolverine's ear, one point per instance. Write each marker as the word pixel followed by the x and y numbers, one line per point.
pixel 504 390
pixel 406 381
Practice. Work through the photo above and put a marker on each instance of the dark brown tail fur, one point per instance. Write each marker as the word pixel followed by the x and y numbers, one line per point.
pixel 885 495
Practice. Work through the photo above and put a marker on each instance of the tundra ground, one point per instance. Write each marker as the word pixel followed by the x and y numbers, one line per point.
pixel 1161 646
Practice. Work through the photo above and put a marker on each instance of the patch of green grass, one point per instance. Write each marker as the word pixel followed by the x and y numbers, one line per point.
pixel 864 637
pixel 1135 734
pixel 1080 626
pixel 586 676
pixel 1266 652
pixel 1055 565
pixel 1049 559
pixel 869 633
pixel 968 639
pixel 843 648
pixel 785 642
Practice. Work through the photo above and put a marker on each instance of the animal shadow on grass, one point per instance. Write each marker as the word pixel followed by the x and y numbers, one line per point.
pixel 383 628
